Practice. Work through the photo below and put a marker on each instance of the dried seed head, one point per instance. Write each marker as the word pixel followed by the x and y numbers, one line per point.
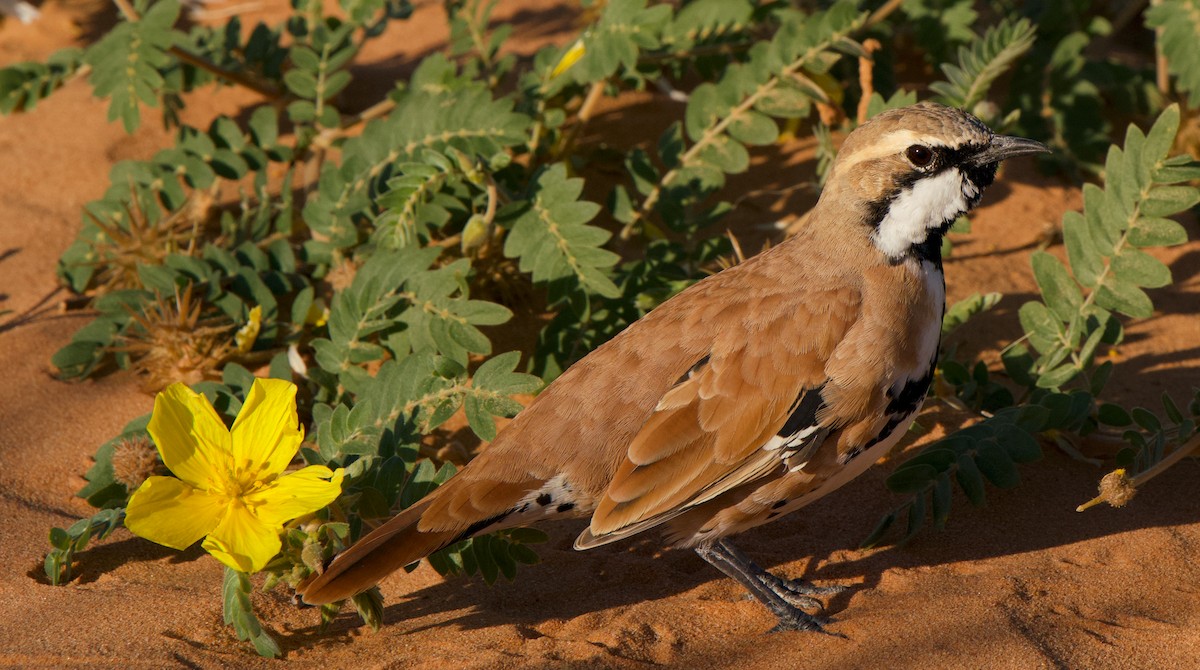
pixel 131 237
pixel 169 342
pixel 134 460
pixel 341 275
pixel 1116 488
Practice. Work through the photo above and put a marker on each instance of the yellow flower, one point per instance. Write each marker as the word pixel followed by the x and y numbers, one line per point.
pixel 231 489
pixel 572 56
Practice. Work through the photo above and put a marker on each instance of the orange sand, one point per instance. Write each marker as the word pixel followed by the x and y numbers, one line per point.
pixel 1023 583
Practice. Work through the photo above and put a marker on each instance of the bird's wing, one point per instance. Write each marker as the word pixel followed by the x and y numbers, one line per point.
pixel 742 412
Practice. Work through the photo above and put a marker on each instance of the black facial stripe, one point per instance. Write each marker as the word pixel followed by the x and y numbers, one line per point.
pixel 981 176
pixel 944 158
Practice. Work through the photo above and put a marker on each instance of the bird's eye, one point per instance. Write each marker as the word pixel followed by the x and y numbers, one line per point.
pixel 918 155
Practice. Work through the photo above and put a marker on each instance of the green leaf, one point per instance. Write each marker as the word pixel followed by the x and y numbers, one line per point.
pixel 59 539
pixel 1020 445
pixel 988 58
pixel 1060 292
pixel 23 85
pixel 625 28
pixel 550 236
pixel 1169 200
pixel 1055 378
pixel 1124 297
pixel 941 501
pixel 963 310
pixel 126 63
pixel 1157 232
pixel 1044 328
pixel 239 613
pixel 1180 23
pixel 754 128
pixel 911 478
pixel 881 529
pixel 970 479
pixel 1140 269
pixel 995 464
pixel 1146 420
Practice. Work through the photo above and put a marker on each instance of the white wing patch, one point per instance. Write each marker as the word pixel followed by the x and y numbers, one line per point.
pixel 930 202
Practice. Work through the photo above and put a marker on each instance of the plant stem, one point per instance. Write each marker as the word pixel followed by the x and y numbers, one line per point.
pixel 131 14
pixel 585 114
pixel 331 135
pixel 1135 482
pixel 883 12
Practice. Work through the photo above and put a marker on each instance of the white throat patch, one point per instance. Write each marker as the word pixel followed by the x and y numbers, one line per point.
pixel 928 204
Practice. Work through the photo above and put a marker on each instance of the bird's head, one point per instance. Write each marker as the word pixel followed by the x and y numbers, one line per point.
pixel 911 172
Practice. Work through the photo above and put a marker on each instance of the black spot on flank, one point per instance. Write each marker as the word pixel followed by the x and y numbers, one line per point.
pixel 910 397
pixel 565 507
pixel 778 504
pixel 888 427
pixel 693 370
pixel 544 499
pixel 772 515
pixel 480 525
pixel 804 412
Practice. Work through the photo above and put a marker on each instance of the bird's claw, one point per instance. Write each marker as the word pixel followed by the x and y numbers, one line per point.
pixel 797 620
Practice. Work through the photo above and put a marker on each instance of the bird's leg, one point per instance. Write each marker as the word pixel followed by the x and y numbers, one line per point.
pixel 796 591
pixel 736 565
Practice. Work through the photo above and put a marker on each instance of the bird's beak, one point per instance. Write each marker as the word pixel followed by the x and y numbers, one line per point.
pixel 1006 146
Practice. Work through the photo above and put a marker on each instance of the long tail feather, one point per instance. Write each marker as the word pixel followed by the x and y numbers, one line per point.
pixel 389 547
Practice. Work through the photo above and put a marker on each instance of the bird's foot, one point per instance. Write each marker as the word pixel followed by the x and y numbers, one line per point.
pixel 783 597
pixel 798 592
pixel 799 620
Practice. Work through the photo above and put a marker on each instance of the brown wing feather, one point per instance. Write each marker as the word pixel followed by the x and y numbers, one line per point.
pixel 706 434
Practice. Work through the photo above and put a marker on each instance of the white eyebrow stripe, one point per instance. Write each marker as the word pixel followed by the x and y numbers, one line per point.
pixel 889 145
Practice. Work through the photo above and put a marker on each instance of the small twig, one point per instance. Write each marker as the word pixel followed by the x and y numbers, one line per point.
pixel 331 135
pixel 882 13
pixel 1162 77
pixel 127 10
pixel 723 49
pixel 866 76
pixel 493 199
pixel 585 114
pixel 1131 11
pixel 230 76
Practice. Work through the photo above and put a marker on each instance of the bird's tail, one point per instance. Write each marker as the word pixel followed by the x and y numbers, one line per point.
pixel 389 547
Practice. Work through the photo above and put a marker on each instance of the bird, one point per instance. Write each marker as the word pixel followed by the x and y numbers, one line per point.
pixel 748 396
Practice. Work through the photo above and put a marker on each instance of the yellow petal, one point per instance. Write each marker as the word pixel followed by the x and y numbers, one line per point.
pixel 248 333
pixel 296 494
pixel 191 438
pixel 572 56
pixel 266 434
pixel 242 541
pixel 168 511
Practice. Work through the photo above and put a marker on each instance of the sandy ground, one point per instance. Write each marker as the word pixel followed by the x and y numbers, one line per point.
pixel 1024 583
